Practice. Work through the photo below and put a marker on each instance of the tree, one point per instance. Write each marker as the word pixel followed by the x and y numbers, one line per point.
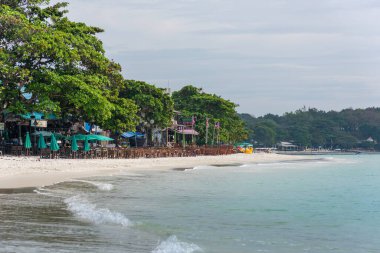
pixel 154 103
pixel 192 101
pixel 60 64
pixel 345 129
pixel 264 135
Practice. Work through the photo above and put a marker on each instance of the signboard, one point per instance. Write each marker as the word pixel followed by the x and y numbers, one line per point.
pixel 38 123
pixel 2 126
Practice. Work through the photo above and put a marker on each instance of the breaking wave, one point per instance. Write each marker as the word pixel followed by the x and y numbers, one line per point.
pixel 99 185
pixel 87 211
pixel 173 245
pixel 203 167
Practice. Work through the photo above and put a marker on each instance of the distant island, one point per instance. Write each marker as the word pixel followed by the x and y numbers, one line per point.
pixel 315 129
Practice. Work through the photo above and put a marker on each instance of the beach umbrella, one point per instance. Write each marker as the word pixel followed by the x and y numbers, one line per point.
pixel 41 142
pixel 86 146
pixel 28 143
pixel 74 144
pixel 99 137
pixel 91 137
pixel 53 143
pixel 6 135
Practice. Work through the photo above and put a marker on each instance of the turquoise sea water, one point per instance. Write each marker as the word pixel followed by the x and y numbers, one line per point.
pixel 329 205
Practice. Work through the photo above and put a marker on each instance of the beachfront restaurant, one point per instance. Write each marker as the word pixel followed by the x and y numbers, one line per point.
pixel 185 136
pixel 286 146
pixel 133 139
pixel 15 128
pixel 32 127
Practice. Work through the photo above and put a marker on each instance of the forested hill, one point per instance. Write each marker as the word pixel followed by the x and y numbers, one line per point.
pixel 313 128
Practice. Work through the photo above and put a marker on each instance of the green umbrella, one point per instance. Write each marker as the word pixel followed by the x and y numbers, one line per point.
pixel 91 137
pixel 86 147
pixel 100 137
pixel 74 145
pixel 28 143
pixel 41 142
pixel 6 135
pixel 53 143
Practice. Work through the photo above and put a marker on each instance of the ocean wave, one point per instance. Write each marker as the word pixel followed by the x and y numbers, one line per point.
pixel 52 193
pixel 87 211
pixel 203 167
pixel 99 185
pixel 173 245
pixel 42 191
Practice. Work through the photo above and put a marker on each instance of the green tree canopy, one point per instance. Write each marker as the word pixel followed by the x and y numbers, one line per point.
pixel 60 65
pixel 154 103
pixel 192 101
pixel 313 128
pixel 265 132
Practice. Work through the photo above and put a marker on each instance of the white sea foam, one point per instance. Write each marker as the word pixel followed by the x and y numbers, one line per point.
pixel 87 211
pixel 204 167
pixel 50 193
pixel 274 164
pixel 43 192
pixel 101 186
pixel 173 245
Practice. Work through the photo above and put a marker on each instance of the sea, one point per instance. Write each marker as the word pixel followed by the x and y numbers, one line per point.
pixel 329 204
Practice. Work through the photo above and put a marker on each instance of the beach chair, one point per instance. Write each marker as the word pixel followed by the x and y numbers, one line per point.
pixel 98 153
pixel 2 150
pixel 17 150
pixel 90 154
pixel 104 153
pixel 45 153
pixel 111 153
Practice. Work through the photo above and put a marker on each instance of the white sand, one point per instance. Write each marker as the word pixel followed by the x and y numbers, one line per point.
pixel 18 172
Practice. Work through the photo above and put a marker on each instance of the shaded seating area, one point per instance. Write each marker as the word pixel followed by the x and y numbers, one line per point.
pixel 49 145
pixel 150 152
pixel 133 139
pixel 55 145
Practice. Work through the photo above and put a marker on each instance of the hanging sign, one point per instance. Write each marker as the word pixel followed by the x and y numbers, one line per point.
pixel 38 123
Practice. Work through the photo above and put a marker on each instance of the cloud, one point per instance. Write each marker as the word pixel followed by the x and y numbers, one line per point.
pixel 268 56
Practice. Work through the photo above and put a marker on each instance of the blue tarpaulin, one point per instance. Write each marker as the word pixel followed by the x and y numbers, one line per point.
pixel 38 116
pixel 87 127
pixel 96 129
pixel 132 134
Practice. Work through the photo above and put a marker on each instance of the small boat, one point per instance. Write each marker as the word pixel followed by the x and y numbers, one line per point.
pixel 246 148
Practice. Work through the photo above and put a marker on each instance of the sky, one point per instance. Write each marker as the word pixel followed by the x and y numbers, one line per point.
pixel 271 56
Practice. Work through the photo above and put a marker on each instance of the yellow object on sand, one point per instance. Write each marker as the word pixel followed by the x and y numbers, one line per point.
pixel 248 150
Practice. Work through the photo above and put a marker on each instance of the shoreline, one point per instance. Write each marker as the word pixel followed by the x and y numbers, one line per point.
pixel 32 172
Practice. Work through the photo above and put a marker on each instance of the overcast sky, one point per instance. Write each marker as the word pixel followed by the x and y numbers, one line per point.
pixel 267 56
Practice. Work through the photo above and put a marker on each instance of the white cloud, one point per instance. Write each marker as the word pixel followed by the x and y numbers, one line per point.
pixel 249 51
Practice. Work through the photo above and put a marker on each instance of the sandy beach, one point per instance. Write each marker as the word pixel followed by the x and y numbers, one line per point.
pixel 20 172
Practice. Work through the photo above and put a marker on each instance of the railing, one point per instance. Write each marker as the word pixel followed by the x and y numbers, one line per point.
pixel 121 153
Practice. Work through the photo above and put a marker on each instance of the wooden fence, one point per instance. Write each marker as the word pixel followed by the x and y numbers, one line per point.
pixel 122 153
